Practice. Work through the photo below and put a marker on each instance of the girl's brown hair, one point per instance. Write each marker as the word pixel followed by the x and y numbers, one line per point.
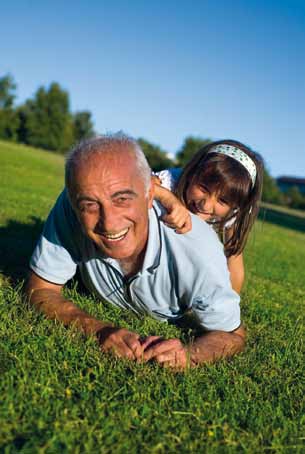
pixel 231 181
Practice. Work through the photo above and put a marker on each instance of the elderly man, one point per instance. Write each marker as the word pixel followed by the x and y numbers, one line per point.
pixel 106 224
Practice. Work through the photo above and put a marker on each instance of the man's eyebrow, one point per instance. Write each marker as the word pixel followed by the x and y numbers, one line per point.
pixel 81 198
pixel 124 192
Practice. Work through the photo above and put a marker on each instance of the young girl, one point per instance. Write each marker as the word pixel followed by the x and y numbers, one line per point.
pixel 222 184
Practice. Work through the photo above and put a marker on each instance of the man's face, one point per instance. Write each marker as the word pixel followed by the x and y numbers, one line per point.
pixel 109 198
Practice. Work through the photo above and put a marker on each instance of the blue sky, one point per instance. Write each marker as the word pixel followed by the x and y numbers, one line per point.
pixel 166 69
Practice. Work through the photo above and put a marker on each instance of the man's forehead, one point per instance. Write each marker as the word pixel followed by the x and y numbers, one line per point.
pixel 110 172
pixel 111 158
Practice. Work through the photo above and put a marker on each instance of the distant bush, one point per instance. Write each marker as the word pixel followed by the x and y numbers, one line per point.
pixel 271 192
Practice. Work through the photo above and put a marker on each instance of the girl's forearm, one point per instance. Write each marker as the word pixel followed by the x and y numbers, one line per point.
pixel 237 272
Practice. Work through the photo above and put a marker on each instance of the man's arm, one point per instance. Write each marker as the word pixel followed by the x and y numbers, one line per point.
pixel 217 344
pixel 206 348
pixel 48 299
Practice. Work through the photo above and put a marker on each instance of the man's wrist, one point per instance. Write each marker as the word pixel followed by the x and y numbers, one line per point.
pixel 191 356
pixel 104 332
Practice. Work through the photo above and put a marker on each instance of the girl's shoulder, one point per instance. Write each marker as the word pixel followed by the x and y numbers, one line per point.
pixel 169 177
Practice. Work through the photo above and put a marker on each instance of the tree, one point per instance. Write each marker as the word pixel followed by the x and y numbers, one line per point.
pixel 9 121
pixel 45 121
pixel 7 92
pixel 271 192
pixel 190 146
pixel 82 126
pixel 295 198
pixel 157 158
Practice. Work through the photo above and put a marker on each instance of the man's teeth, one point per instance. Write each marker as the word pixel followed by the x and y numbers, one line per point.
pixel 116 236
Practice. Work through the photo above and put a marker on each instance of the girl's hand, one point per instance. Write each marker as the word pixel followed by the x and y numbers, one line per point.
pixel 177 217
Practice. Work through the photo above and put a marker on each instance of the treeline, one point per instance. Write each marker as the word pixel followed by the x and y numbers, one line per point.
pixel 292 198
pixel 45 121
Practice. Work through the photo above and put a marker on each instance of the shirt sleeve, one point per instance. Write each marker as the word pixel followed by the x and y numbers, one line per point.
pixel 218 310
pixel 55 257
pixel 169 178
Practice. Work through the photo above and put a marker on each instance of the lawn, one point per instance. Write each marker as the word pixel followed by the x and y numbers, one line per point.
pixel 60 394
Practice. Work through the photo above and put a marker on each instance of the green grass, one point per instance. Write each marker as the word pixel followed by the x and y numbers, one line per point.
pixel 60 394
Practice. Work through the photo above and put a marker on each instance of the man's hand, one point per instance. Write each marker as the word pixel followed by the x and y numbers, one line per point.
pixel 121 342
pixel 168 353
pixel 207 348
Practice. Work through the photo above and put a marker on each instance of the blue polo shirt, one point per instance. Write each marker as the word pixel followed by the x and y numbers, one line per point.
pixel 180 273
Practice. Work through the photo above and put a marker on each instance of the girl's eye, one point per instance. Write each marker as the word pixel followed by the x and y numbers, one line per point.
pixel 195 206
pixel 223 201
pixel 204 189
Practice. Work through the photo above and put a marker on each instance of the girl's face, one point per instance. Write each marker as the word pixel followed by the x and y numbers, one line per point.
pixel 208 206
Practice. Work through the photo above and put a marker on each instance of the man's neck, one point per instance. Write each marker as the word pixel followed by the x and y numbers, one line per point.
pixel 131 267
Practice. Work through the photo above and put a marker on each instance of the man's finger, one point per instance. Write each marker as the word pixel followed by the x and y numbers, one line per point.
pixel 160 348
pixel 121 342
pixel 173 359
pixel 174 365
pixel 120 350
pixel 136 347
pixel 150 340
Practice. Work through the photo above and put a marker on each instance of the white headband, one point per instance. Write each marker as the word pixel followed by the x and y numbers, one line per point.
pixel 238 155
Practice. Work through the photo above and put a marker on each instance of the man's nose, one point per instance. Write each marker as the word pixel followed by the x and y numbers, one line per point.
pixel 108 220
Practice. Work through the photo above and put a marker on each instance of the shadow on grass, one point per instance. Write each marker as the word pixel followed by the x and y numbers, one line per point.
pixel 282 219
pixel 17 242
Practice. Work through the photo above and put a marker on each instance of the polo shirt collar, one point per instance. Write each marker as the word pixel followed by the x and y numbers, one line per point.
pixel 154 244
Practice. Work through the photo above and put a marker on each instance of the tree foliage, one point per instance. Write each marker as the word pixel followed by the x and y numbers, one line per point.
pixel 45 120
pixel 7 91
pixel 295 198
pixel 82 125
pixel 9 121
pixel 271 192
pixel 156 157
pixel 189 147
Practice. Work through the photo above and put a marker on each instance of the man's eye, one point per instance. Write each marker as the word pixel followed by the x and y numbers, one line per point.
pixel 122 200
pixel 89 207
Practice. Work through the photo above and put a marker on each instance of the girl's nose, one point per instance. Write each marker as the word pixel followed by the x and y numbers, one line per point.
pixel 208 205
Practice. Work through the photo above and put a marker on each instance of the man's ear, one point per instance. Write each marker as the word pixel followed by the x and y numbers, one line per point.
pixel 151 193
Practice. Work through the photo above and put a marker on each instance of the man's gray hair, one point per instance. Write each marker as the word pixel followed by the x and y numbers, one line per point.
pixel 112 142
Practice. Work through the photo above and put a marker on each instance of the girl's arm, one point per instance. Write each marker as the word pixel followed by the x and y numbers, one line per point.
pixel 237 271
pixel 236 266
pixel 177 217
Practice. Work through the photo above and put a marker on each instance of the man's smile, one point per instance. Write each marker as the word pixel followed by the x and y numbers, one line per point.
pixel 114 237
